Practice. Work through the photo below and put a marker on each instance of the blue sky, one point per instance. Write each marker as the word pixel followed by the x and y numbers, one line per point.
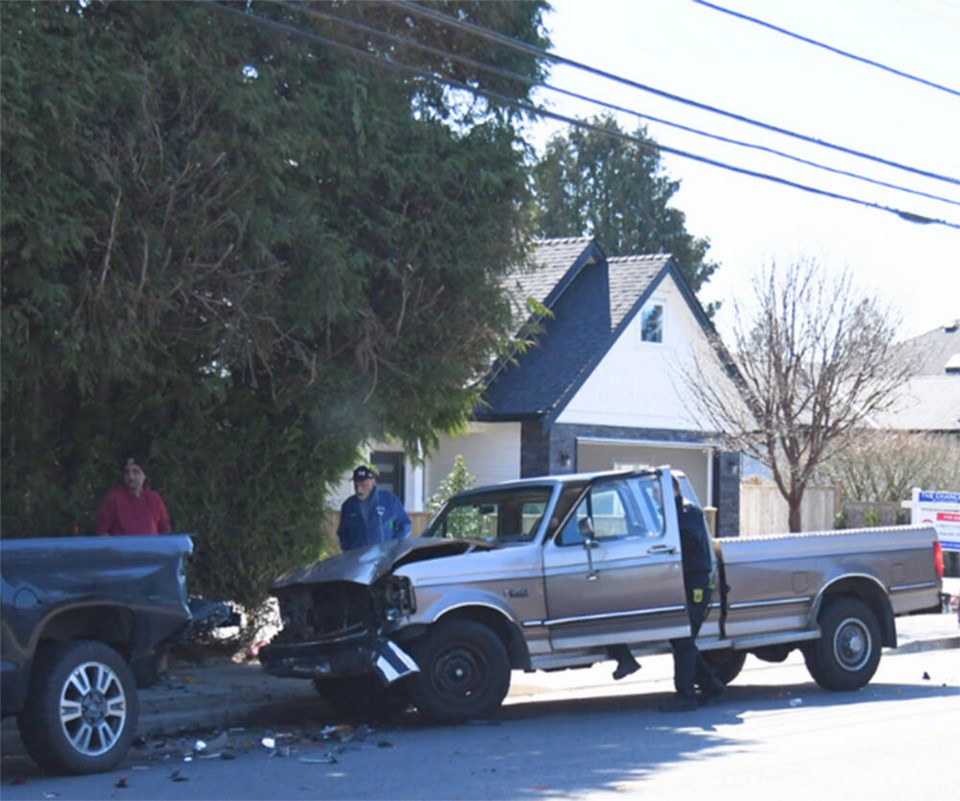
pixel 690 50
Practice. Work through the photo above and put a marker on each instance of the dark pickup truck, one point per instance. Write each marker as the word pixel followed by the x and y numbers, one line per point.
pixel 83 619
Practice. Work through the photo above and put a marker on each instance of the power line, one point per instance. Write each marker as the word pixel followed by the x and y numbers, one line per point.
pixel 507 101
pixel 466 60
pixel 494 36
pixel 830 48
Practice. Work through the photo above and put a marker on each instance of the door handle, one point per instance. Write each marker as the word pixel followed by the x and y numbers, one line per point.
pixel 662 549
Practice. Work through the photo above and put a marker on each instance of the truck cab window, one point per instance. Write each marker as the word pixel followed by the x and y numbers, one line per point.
pixel 611 510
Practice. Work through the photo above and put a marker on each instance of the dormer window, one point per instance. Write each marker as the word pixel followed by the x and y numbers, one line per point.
pixel 651 322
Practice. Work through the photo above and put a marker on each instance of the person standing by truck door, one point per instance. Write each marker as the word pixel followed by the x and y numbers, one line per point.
pixel 690 669
pixel 372 514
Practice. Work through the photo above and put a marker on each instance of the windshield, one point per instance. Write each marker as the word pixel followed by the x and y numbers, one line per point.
pixel 500 515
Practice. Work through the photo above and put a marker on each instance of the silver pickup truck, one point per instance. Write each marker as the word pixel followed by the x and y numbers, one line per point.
pixel 545 573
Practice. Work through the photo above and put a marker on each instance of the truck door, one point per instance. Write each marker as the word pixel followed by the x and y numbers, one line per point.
pixel 612 573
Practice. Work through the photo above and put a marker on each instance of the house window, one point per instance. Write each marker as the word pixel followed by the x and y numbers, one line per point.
pixel 651 323
pixel 389 464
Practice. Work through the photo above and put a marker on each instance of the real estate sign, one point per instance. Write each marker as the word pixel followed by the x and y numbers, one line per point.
pixel 940 509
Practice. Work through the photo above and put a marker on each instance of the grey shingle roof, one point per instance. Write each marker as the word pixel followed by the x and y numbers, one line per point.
pixel 630 276
pixel 925 403
pixel 931 352
pixel 930 399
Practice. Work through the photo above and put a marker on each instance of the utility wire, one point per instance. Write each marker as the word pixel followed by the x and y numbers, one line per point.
pixel 830 48
pixel 503 73
pixel 507 101
pixel 515 44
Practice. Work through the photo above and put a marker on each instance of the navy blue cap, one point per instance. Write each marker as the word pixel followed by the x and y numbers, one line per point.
pixel 363 472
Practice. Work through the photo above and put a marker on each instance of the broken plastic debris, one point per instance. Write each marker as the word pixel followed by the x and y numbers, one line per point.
pixel 121 782
pixel 269 740
pixel 796 701
pixel 342 732
pixel 323 759
pixel 176 776
pixel 218 742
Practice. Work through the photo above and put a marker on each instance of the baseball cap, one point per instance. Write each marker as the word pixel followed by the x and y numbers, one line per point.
pixel 363 472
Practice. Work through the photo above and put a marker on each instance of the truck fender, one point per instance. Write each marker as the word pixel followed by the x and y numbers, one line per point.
pixel 867 588
pixel 489 610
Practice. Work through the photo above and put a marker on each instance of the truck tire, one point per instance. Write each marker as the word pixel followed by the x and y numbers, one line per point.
pixel 361 696
pixel 846 655
pixel 464 672
pixel 726 663
pixel 81 710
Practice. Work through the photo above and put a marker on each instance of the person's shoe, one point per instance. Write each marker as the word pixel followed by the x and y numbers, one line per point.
pixel 679 703
pixel 625 668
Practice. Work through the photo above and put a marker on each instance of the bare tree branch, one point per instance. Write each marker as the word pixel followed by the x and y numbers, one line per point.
pixel 815 361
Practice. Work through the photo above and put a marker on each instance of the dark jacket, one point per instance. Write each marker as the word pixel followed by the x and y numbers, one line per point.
pixel 695 547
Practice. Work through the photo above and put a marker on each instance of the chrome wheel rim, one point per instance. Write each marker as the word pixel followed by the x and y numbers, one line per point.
pixel 93 708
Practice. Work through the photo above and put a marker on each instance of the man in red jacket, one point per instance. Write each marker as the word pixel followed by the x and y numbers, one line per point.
pixel 131 508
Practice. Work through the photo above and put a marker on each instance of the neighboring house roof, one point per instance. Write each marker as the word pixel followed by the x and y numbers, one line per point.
pixel 591 299
pixel 930 399
pixel 934 352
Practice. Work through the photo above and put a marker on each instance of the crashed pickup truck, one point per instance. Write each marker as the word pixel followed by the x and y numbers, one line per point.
pixel 546 573
pixel 85 620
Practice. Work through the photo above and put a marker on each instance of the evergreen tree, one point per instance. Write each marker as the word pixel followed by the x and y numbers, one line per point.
pixel 244 248
pixel 458 480
pixel 603 184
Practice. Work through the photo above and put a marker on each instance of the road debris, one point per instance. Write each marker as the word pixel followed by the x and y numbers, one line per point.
pixel 323 759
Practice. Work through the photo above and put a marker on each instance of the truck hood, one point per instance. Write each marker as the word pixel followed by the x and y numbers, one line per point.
pixel 366 565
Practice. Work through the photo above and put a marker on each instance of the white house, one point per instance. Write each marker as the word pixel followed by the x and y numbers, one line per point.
pixel 603 388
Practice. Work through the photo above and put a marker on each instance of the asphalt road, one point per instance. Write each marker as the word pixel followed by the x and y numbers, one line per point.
pixel 774 734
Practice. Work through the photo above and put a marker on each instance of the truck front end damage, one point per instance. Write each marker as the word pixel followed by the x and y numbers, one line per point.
pixel 341 628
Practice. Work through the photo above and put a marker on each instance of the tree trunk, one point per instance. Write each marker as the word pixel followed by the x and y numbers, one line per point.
pixel 793 505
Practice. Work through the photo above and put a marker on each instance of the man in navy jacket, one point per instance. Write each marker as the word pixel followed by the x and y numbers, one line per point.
pixel 371 515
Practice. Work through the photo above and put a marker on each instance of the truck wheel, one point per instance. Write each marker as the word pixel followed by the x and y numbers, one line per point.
pixel 726 663
pixel 846 655
pixel 361 696
pixel 81 710
pixel 464 672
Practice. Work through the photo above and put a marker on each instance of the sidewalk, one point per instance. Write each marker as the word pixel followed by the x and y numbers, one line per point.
pixel 218 696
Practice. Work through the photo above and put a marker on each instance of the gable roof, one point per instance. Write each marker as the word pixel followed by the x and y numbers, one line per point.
pixel 936 352
pixel 630 278
pixel 930 399
pixel 591 298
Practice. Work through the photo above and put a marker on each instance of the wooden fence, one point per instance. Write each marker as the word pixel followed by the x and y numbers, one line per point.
pixel 763 509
